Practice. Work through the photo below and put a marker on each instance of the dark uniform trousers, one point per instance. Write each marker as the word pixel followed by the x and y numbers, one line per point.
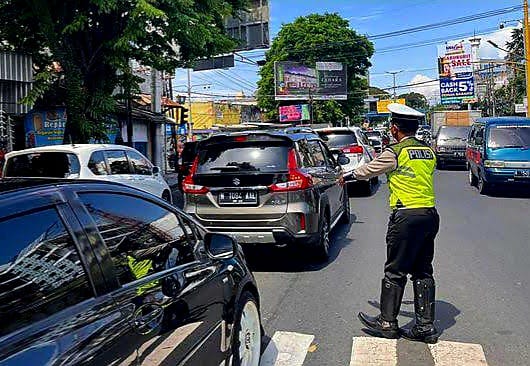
pixel 410 244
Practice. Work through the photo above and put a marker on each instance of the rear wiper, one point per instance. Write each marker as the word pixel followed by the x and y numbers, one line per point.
pixel 228 167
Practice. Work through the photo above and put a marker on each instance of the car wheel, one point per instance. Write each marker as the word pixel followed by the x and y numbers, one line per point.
pixel 472 178
pixel 322 249
pixel 345 218
pixel 166 196
pixel 246 339
pixel 483 187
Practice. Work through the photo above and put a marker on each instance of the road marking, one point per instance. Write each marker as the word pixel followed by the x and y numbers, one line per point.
pixel 457 354
pixel 371 351
pixel 286 349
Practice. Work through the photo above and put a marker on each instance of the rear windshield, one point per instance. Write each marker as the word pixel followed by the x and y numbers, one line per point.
pixel 448 133
pixel 237 157
pixel 509 136
pixel 338 139
pixel 43 165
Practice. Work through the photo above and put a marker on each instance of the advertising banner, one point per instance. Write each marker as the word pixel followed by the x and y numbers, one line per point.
pixel 294 113
pixel 46 127
pixel 295 81
pixel 455 69
pixel 382 105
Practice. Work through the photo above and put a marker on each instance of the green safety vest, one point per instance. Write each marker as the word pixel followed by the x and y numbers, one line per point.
pixel 411 184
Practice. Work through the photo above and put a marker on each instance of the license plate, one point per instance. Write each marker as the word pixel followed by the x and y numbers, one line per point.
pixel 238 198
pixel 459 154
pixel 522 173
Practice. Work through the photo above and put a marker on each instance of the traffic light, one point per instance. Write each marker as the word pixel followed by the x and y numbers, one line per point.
pixel 184 115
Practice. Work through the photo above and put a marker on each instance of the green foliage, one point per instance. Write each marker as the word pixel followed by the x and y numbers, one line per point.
pixel 514 92
pixel 94 40
pixel 377 92
pixel 313 38
pixel 415 100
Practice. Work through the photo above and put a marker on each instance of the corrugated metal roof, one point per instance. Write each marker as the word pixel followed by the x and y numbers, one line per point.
pixel 15 67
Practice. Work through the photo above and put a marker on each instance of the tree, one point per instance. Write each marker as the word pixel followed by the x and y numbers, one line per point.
pixel 377 92
pixel 93 41
pixel 415 100
pixel 313 38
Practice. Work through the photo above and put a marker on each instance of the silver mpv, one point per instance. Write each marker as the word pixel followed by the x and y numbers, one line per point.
pixel 268 188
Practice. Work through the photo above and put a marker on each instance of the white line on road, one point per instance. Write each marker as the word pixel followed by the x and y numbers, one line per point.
pixel 458 354
pixel 286 349
pixel 371 351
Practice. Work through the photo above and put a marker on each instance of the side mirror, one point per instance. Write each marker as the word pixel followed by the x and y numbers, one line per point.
pixel 155 170
pixel 343 160
pixel 220 246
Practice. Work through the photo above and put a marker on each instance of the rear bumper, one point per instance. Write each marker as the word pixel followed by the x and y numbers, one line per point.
pixel 267 236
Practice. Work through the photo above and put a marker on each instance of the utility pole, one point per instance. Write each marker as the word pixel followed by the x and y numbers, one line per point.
pixel 310 107
pixel 394 73
pixel 190 123
pixel 527 55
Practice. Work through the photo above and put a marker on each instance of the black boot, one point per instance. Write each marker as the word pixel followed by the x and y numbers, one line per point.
pixel 424 329
pixel 385 324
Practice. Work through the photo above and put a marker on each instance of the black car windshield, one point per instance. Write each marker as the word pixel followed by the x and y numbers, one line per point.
pixel 43 165
pixel 339 139
pixel 509 136
pixel 248 157
pixel 449 133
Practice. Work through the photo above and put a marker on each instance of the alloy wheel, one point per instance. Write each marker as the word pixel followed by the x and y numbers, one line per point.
pixel 249 335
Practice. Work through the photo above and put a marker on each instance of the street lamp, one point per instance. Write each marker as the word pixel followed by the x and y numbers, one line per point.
pixel 394 73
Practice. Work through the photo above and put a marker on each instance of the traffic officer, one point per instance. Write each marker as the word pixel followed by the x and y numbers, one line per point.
pixel 412 228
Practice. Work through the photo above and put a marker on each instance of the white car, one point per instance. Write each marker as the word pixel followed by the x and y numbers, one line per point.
pixel 114 163
pixel 355 145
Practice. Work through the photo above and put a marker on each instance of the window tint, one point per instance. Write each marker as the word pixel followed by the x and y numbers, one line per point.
pixel 330 160
pixel 303 153
pixel 118 162
pixel 97 164
pixel 45 164
pixel 40 270
pixel 339 138
pixel 251 156
pixel 139 163
pixel 316 153
pixel 143 238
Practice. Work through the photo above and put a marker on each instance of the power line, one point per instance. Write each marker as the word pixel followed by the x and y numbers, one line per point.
pixel 454 21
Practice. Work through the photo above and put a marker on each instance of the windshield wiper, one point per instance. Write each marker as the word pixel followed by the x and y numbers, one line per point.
pixel 237 166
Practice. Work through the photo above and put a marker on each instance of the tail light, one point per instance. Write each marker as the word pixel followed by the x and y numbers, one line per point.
pixel 353 149
pixel 296 179
pixel 189 186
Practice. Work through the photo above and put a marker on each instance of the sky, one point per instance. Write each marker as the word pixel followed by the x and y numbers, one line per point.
pixel 372 18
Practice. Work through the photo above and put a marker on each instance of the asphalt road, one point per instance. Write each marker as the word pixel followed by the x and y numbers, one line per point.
pixel 482 269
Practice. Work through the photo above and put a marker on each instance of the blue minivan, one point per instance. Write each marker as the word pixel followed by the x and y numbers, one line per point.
pixel 498 152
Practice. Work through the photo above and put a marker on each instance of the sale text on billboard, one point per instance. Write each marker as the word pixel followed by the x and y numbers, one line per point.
pixel 455 69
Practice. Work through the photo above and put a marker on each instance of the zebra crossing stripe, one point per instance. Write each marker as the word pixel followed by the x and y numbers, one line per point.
pixel 457 354
pixel 286 349
pixel 371 351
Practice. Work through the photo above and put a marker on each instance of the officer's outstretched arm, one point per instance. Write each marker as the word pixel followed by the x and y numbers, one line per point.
pixel 384 163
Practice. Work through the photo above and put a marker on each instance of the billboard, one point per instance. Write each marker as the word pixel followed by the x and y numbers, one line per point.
pixel 382 105
pixel 296 81
pixel 294 113
pixel 455 70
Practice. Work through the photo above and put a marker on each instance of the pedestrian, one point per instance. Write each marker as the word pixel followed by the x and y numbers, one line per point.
pixel 412 228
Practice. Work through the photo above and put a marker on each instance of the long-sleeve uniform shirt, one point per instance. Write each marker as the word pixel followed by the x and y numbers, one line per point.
pixel 384 163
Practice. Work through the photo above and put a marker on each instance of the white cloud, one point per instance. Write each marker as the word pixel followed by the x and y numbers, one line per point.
pixel 427 86
pixel 500 37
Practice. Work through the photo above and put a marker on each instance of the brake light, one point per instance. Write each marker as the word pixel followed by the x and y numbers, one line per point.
pixel 240 139
pixel 296 179
pixel 353 149
pixel 189 186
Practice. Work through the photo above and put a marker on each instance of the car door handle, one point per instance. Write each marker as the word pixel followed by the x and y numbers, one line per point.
pixel 148 318
pixel 200 272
